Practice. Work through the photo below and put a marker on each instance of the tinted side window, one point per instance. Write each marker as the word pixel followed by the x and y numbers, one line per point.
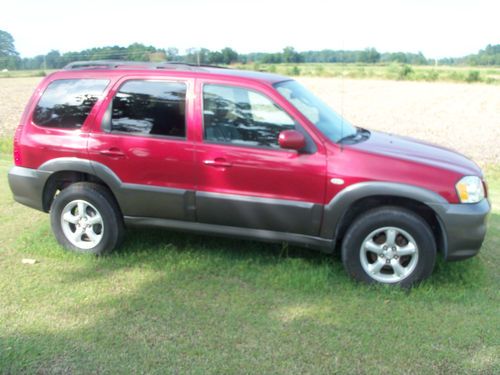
pixel 67 103
pixel 240 116
pixel 150 107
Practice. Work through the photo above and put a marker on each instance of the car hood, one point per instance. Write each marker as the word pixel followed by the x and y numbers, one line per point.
pixel 417 151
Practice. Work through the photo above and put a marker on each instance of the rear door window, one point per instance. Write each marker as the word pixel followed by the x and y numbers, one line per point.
pixel 66 103
pixel 149 108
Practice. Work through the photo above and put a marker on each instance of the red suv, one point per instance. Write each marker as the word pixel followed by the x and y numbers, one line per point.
pixel 102 145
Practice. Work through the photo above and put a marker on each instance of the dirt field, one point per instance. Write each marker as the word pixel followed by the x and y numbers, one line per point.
pixel 14 94
pixel 465 117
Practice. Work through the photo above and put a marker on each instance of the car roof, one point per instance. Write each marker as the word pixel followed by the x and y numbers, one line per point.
pixel 115 68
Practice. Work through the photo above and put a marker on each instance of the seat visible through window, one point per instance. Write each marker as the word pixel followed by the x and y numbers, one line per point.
pixel 240 116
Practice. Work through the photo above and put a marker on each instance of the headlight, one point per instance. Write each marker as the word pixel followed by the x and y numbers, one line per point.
pixel 470 189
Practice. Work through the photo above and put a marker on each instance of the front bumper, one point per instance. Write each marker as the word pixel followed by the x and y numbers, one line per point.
pixel 27 186
pixel 464 228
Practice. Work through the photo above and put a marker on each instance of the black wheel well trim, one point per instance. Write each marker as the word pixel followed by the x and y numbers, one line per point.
pixel 349 203
pixel 69 170
pixel 83 165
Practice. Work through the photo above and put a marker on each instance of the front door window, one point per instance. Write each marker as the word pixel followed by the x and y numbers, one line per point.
pixel 234 115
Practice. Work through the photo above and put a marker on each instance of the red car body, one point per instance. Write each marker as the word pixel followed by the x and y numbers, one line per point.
pixel 383 157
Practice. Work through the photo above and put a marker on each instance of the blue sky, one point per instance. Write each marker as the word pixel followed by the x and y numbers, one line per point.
pixel 438 28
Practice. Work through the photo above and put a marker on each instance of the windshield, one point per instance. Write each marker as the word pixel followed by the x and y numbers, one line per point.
pixel 331 124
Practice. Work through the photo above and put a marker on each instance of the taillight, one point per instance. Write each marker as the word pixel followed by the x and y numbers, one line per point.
pixel 17 148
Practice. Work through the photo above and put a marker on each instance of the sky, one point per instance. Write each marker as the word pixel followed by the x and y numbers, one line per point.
pixel 437 28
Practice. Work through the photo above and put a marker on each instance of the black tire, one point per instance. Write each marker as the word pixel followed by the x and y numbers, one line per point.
pixel 405 228
pixel 97 201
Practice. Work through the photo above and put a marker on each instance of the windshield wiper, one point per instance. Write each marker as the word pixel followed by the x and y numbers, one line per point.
pixel 360 135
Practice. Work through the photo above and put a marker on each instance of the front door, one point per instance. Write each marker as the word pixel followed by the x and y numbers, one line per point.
pixel 244 178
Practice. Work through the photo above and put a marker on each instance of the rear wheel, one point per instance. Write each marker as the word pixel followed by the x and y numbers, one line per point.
pixel 389 245
pixel 85 218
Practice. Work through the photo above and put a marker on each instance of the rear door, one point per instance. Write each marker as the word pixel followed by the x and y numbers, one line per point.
pixel 244 178
pixel 142 136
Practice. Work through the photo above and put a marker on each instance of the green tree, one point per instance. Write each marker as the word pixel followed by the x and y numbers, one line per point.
pixel 9 58
pixel 197 56
pixel 172 54
pixel 7 45
pixel 291 56
pixel 215 57
pixel 270 58
pixel 369 55
pixel 139 52
pixel 53 60
pixel 229 55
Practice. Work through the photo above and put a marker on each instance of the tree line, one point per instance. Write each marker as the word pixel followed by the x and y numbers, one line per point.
pixel 10 59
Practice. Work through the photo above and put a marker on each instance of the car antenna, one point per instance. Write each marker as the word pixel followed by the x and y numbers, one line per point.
pixel 342 96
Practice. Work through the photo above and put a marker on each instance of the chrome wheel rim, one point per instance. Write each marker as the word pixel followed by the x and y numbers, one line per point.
pixel 82 224
pixel 389 254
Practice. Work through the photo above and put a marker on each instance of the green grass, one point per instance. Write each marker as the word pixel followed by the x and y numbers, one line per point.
pixel 395 71
pixel 6 147
pixel 24 73
pixel 177 303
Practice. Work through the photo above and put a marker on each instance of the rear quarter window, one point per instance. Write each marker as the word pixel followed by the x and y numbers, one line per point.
pixel 67 103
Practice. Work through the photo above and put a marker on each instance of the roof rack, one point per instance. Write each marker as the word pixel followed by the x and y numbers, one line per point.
pixel 120 64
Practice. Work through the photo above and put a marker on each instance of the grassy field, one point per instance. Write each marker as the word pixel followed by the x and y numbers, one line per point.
pixel 395 71
pixel 175 303
pixel 24 73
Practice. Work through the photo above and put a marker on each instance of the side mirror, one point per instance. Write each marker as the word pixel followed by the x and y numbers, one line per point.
pixel 291 139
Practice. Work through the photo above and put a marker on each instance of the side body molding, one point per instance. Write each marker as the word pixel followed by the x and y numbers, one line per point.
pixel 339 205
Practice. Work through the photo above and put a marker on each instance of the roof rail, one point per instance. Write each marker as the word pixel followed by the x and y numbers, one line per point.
pixel 120 64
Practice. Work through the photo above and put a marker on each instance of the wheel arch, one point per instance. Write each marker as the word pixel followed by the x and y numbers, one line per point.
pixel 65 171
pixel 356 199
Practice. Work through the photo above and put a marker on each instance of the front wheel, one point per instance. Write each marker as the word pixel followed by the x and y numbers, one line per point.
pixel 389 245
pixel 85 218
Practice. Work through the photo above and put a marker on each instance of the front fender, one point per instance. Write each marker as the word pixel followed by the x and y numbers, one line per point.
pixel 340 204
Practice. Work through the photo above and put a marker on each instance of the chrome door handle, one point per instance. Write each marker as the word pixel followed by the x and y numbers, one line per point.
pixel 113 152
pixel 218 163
